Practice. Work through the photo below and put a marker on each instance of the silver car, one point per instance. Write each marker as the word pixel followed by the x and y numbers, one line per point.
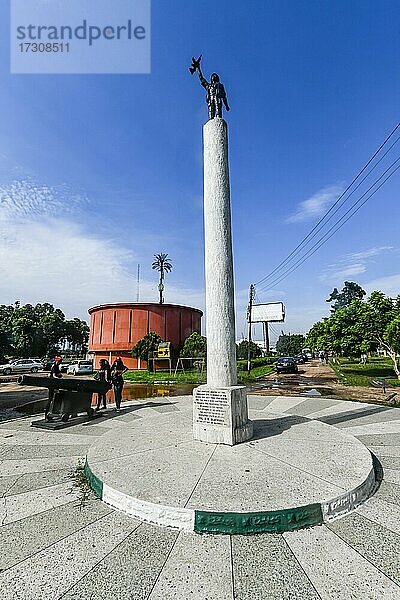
pixel 80 367
pixel 22 365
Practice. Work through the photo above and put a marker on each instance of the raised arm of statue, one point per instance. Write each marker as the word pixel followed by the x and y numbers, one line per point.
pixel 203 80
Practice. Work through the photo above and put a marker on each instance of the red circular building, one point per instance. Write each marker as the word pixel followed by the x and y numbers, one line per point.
pixel 116 328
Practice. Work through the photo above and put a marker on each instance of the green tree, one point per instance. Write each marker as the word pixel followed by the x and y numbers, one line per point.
pixel 49 328
pixel 23 330
pixel 361 326
pixel 290 344
pixel 243 348
pixel 163 265
pixel 35 330
pixel 351 291
pixel 76 332
pixel 195 346
pixel 6 318
pixel 391 342
pixel 318 336
pixel 146 346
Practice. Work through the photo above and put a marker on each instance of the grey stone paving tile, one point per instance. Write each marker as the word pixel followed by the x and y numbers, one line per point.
pixel 311 405
pixel 347 417
pixel 165 408
pixel 384 439
pixel 389 462
pixel 50 573
pixel 6 483
pixel 198 568
pixel 385 451
pixel 22 452
pixel 20 424
pixel 381 415
pixel 36 465
pixel 389 492
pixel 265 567
pixel 284 404
pixel 128 417
pixel 381 512
pixel 373 541
pixel 4 452
pixel 15 508
pixel 92 430
pixel 392 476
pixel 338 571
pixel 23 538
pixel 259 402
pixel 35 481
pixel 131 570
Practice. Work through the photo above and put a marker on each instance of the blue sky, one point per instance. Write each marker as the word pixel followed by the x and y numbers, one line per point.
pixel 99 172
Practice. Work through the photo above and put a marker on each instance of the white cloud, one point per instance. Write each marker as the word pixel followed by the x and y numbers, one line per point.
pixel 370 253
pixel 389 285
pixel 351 270
pixel 353 263
pixel 47 254
pixel 317 204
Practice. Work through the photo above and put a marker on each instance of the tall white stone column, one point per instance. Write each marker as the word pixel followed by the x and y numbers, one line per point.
pixel 220 412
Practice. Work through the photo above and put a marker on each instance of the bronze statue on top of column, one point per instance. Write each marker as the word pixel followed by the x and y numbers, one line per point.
pixel 216 95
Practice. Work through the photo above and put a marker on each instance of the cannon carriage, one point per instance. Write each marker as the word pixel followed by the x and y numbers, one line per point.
pixel 67 397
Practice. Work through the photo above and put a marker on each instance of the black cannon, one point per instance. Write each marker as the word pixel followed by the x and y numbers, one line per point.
pixel 67 397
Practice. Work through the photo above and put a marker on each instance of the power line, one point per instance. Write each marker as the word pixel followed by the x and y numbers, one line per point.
pixel 335 227
pixel 316 231
pixel 284 261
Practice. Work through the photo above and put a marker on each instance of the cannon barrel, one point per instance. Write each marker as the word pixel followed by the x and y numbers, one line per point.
pixel 59 383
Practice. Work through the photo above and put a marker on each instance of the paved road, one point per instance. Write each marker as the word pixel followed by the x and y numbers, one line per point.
pixel 55 546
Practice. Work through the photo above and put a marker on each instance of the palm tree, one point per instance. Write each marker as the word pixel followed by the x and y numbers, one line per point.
pixel 162 264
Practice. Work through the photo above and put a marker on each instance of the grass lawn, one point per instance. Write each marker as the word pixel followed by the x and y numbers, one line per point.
pixel 355 373
pixel 193 376
pixel 164 376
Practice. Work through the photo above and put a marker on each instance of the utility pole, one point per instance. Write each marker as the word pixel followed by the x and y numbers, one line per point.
pixel 266 337
pixel 251 298
pixel 138 283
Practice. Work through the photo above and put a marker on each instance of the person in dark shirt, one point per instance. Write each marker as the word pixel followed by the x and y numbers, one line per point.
pixel 54 372
pixel 117 369
pixel 55 368
pixel 103 374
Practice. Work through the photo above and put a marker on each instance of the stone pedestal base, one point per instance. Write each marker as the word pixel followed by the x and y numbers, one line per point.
pixel 220 415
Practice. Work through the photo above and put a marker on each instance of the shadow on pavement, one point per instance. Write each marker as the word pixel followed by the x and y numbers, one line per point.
pixel 264 428
pixel 349 416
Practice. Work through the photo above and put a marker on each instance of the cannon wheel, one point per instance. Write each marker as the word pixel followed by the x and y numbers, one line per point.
pixel 90 412
pixel 65 417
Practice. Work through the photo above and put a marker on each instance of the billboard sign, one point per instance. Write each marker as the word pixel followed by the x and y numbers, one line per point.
pixel 272 312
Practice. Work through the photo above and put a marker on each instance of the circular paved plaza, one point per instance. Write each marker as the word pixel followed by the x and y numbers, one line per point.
pixel 58 543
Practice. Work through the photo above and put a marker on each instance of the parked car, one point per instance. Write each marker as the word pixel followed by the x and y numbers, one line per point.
pixel 300 360
pixel 286 364
pixel 21 365
pixel 47 363
pixel 80 367
pixel 64 365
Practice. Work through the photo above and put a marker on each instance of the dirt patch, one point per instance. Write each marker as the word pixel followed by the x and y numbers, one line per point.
pixel 314 376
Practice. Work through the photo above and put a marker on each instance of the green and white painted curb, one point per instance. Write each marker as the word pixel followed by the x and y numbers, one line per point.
pixel 272 521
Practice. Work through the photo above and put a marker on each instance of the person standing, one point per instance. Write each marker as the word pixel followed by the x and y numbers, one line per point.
pixel 54 372
pixel 55 368
pixel 103 374
pixel 117 370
